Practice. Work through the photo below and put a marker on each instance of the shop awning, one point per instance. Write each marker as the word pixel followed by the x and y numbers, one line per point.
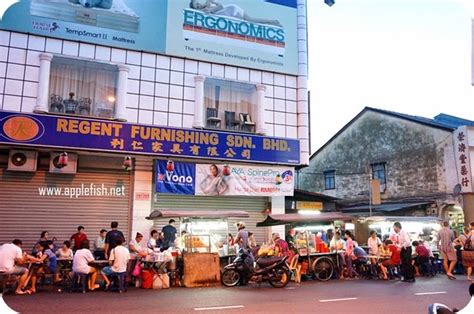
pixel 389 207
pixel 158 214
pixel 298 219
pixel 426 219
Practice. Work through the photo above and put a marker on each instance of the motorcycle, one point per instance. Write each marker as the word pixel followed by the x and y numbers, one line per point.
pixel 275 270
pixel 438 308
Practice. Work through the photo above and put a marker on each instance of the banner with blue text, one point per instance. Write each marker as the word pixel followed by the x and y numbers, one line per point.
pixel 110 136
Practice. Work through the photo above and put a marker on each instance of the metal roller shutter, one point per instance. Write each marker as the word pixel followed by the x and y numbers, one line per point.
pixel 24 213
pixel 255 206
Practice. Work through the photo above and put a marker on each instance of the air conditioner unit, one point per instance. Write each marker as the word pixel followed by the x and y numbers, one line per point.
pixel 22 160
pixel 70 168
pixel 431 211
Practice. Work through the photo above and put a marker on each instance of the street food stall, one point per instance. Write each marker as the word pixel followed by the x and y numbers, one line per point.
pixel 319 261
pixel 202 240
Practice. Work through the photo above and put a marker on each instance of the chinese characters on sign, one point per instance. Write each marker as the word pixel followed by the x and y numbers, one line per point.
pixel 112 136
pixel 462 159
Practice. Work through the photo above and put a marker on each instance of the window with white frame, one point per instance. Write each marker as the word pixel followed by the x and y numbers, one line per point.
pixel 229 105
pixel 82 87
pixel 330 180
pixel 379 173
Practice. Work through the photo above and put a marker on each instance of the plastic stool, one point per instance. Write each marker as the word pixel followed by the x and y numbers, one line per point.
pixel 120 280
pixel 79 282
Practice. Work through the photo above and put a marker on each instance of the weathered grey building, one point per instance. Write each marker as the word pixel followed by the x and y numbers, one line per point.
pixel 412 157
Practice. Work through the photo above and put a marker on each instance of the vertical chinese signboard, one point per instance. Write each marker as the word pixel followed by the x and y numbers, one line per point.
pixel 463 164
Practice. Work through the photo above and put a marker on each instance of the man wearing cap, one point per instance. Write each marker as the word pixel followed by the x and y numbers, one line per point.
pixel 242 237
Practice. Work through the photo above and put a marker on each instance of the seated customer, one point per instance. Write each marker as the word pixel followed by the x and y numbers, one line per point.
pixel 99 245
pixel 47 262
pixel 11 256
pixel 65 252
pixel 80 264
pixel 422 256
pixel 394 254
pixel 118 261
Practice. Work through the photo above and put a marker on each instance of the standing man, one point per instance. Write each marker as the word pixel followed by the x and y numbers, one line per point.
pixel 169 235
pixel 242 237
pixel 78 238
pixel 111 238
pixel 446 247
pixel 402 239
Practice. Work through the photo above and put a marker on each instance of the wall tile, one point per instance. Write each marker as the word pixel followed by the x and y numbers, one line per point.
pixel 267 78
pixel 32 73
pixel 177 64
pixel 87 51
pixel 190 66
pixel 145 116
pixel 148 60
pixel 189 79
pixel 32 58
pixel 291 106
pixel 30 89
pixel 18 40
pixel 188 107
pixel 279 92
pixel 132 101
pixel 148 74
pixel 217 70
pixel 280 117
pixel 134 57
pixel 279 79
pixel 291 94
pixel 255 76
pixel 160 118
pixel 162 76
pixel 188 93
pixel 188 121
pixel 3 54
pixel 131 115
pixel 133 86
pixel 230 72
pixel 4 38
pixel 54 45
pixel 36 43
pixel 2 86
pixel 279 105
pixel 204 68
pixel 268 116
pixel 17 56
pixel 103 53
pixel 243 75
pixel 3 69
pixel 177 78
pixel 28 104
pixel 12 103
pixel 291 81
pixel 292 132
pixel 161 104
pixel 280 130
pixel 163 62
pixel 291 119
pixel 176 92
pixel 119 56
pixel 161 90
pixel 14 87
pixel 70 48
pixel 134 72
pixel 15 71
pixel 147 88
pixel 146 102
pixel 175 120
pixel 176 105
pixel 269 91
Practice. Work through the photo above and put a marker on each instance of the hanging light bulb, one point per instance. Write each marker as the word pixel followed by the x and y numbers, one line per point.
pixel 226 170
pixel 127 163
pixel 62 160
pixel 170 166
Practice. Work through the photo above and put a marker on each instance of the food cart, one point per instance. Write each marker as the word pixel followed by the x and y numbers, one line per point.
pixel 202 239
pixel 321 264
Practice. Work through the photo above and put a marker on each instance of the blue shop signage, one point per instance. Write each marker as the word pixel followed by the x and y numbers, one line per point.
pixel 112 136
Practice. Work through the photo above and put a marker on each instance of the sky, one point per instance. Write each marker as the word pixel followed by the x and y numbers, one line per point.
pixel 408 56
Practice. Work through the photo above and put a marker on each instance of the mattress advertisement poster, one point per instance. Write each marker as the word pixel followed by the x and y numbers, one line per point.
pixel 230 179
pixel 255 34
pixel 173 177
pixel 258 34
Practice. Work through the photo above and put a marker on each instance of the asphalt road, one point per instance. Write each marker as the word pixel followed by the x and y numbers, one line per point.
pixel 336 296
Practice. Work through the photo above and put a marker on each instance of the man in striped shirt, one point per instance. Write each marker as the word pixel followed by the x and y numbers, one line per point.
pixel 446 247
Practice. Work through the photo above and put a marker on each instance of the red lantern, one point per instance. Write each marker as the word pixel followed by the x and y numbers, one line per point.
pixel 62 160
pixel 170 166
pixel 226 170
pixel 127 163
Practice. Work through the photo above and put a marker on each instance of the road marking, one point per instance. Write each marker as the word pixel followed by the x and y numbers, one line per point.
pixel 290 288
pixel 336 300
pixel 218 308
pixel 428 293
